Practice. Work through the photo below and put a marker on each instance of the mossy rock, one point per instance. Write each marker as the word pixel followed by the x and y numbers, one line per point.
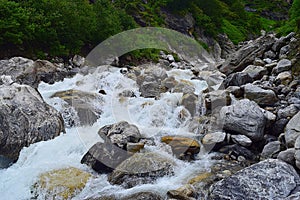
pixel 61 184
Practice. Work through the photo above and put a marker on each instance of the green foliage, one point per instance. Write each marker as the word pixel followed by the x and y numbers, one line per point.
pixel 59 27
pixel 233 32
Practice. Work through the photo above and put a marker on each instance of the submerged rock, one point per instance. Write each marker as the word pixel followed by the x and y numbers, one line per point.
pixel 25 119
pixel 141 168
pixel 244 117
pixel 62 184
pixel 270 179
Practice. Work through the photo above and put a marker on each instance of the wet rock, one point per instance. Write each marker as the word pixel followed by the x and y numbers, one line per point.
pixel 184 87
pixel 216 99
pixel 104 157
pixel 169 83
pixel 287 156
pixel 182 146
pixel 150 81
pixel 134 147
pixel 84 105
pixel 246 54
pixel 213 138
pixel 244 117
pixel 271 150
pixel 238 79
pixel 283 65
pixel 259 181
pixel 241 140
pixel 120 134
pixel 284 77
pixel 255 72
pixel 60 184
pixel 185 192
pixel 141 168
pixel 127 93
pixel 190 102
pixel 25 119
pixel 260 96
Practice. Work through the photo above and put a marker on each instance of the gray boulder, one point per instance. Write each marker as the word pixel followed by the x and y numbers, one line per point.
pixel 256 72
pixel 141 168
pixel 241 140
pixel 283 65
pixel 244 117
pixel 246 55
pixel 150 81
pixel 25 119
pixel 29 72
pixel 120 134
pixel 104 157
pixel 238 79
pixel 292 130
pixel 287 156
pixel 269 179
pixel 261 96
pixel 271 150
pixel 288 111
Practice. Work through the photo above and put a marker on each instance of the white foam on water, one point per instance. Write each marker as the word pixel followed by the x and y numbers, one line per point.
pixel 154 118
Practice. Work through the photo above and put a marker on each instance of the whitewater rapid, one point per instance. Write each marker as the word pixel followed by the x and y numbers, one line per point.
pixel 154 118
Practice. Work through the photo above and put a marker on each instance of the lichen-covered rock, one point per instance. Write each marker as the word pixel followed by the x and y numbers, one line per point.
pixel 270 179
pixel 141 168
pixel 62 184
pixel 244 117
pixel 25 119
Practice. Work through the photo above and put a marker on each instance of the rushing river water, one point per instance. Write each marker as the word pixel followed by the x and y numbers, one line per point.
pixel 159 117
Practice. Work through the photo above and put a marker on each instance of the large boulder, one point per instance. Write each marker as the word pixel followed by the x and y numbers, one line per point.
pixel 25 119
pixel 141 168
pixel 120 134
pixel 270 179
pixel 292 130
pixel 104 157
pixel 29 72
pixel 255 72
pixel 238 79
pixel 260 96
pixel 84 105
pixel 247 54
pixel 244 117
pixel 61 184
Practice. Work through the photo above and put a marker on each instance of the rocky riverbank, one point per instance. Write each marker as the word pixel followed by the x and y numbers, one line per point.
pixel 242 112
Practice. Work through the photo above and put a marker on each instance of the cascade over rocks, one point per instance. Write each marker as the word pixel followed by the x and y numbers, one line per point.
pixel 25 119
